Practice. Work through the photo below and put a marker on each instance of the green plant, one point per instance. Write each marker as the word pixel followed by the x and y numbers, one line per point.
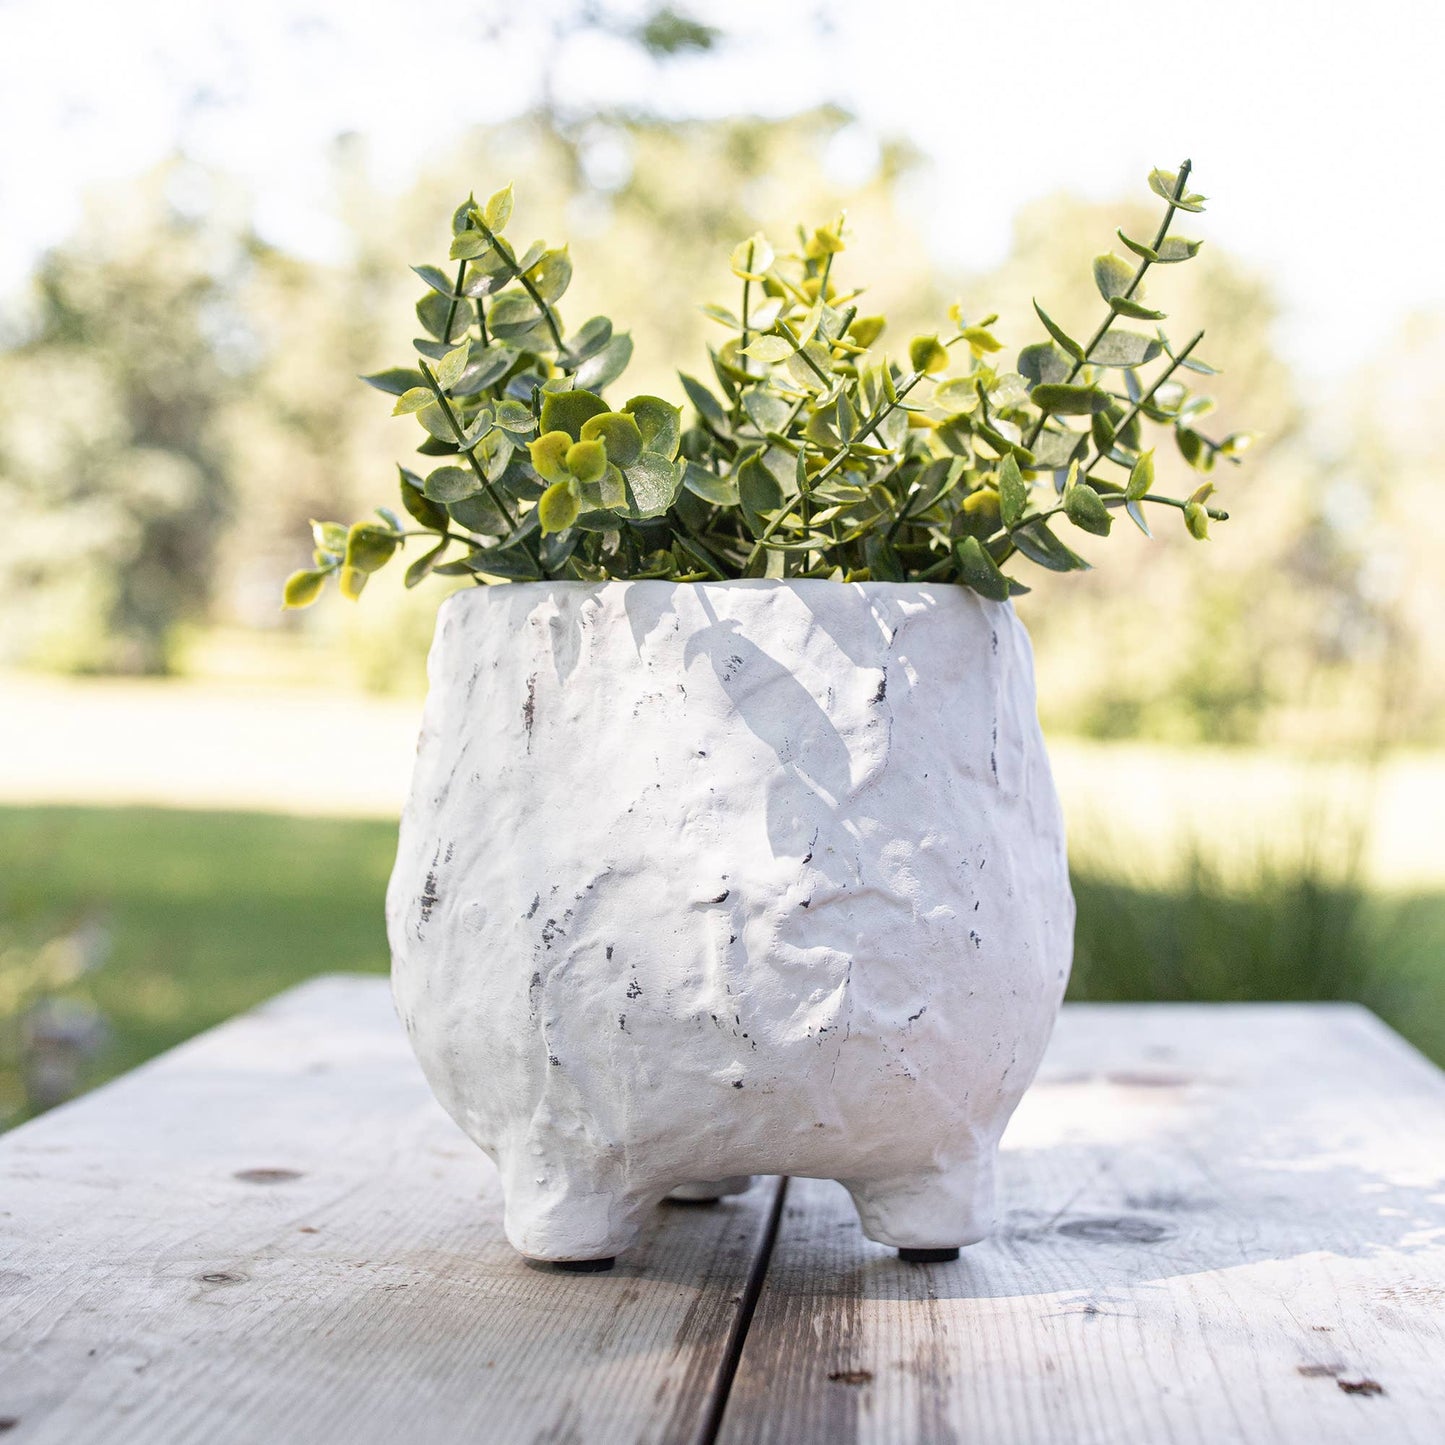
pixel 815 455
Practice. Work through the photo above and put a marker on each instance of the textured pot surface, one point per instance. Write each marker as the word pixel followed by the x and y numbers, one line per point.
pixel 699 881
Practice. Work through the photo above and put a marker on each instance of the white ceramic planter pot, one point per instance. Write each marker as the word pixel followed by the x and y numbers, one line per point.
pixel 704 881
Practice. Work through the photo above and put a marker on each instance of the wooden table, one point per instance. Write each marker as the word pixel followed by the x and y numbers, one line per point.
pixel 1219 1224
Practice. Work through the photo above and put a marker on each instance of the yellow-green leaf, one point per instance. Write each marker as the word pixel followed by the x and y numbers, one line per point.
pixel 620 432
pixel 752 258
pixel 927 354
pixel 412 400
pixel 559 507
pixel 769 349
pixel 549 454
pixel 498 210
pixel 587 460
pixel 303 588
pixel 351 582
pixel 1141 476
pixel 450 367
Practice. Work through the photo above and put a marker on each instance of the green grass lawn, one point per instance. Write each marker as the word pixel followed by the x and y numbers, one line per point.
pixel 209 913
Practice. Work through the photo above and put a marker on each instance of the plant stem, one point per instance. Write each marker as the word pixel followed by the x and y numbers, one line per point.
pixel 1174 364
pixel 1139 271
pixel 452 309
pixel 510 256
pixel 1115 499
pixel 467 451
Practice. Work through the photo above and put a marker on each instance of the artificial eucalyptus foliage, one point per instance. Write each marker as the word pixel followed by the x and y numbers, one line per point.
pixel 808 452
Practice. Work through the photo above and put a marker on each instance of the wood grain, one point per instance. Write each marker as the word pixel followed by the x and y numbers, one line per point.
pixel 1219 1224
pixel 273 1234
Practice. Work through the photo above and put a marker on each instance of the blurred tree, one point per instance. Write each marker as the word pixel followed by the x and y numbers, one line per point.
pixel 109 471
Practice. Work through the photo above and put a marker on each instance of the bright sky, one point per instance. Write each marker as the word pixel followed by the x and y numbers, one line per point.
pixel 1312 125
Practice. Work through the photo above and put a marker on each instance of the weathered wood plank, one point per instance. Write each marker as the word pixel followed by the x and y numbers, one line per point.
pixel 1218 1224
pixel 274 1234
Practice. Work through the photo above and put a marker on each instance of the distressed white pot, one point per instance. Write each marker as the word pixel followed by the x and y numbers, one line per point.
pixel 704 881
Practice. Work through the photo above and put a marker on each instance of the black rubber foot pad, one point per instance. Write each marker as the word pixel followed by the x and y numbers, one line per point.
pixel 927 1256
pixel 592 1266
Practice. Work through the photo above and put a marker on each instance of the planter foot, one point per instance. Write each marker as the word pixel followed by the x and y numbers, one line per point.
pixel 927 1256
pixel 591 1266
pixel 709 1191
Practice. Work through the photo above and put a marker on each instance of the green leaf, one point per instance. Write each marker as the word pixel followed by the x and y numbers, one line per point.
pixel 450 484
pixel 882 559
pixel 558 507
pixel 1136 515
pixel 1044 362
pixel 607 365
pixel 1085 508
pixel 1041 547
pixel 369 547
pixel 652 485
pixel 1176 249
pixel 587 460
pixel 479 514
pixel 1112 275
pixel 1133 309
pixel 1146 253
pixel 449 369
pixel 751 259
pixel 433 310
pixel 1054 450
pixel 351 581
pixel 329 537
pixel 720 491
pixel 621 434
pixel 660 423
pixel 568 410
pixel 435 420
pixel 1057 400
pixel 397 380
pixel 1102 430
pixel 927 354
pixel 498 210
pixel 421 507
pixel 957 396
pixel 1123 348
pixel 1193 450
pixel 424 564
pixel 1165 183
pixel 1013 492
pixel 516 416
pixel 980 340
pixel 758 492
pixel 766 409
pixel 303 588
pixel 1059 334
pixel 512 564
pixel 979 571
pixel 708 407
pixel 1141 476
pixel 769 349
pixel 413 400
pixel 589 340
pixel 866 330
pixel 549 452
pixel 552 274
pixel 470 246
